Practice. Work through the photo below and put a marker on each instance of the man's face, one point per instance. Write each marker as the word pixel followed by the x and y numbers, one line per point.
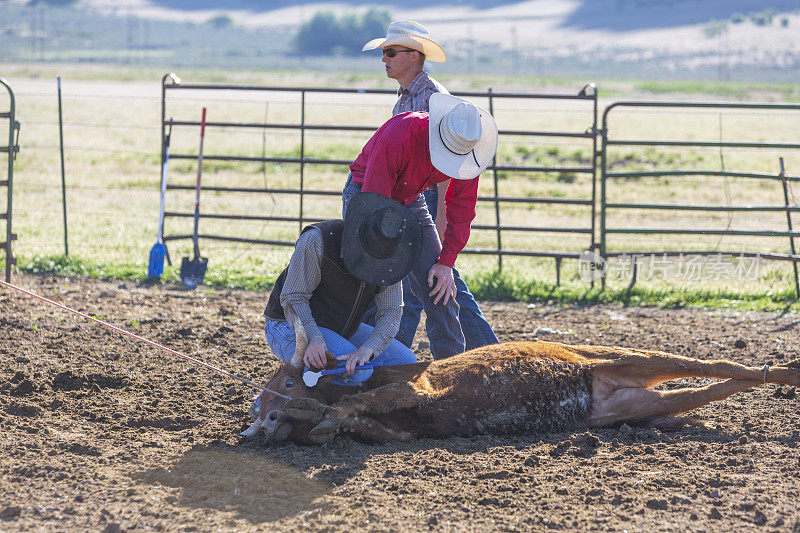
pixel 402 64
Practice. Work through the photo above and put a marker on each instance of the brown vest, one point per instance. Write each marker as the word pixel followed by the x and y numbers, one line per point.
pixel 340 300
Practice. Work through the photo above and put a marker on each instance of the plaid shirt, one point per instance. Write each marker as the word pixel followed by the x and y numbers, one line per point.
pixel 416 96
pixel 303 276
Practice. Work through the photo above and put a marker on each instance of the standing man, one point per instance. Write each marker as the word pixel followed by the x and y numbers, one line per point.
pixel 411 152
pixel 406 47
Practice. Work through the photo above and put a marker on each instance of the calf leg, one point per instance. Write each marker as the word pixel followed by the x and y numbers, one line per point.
pixel 381 400
pixel 635 404
pixel 331 423
pixel 352 412
pixel 639 368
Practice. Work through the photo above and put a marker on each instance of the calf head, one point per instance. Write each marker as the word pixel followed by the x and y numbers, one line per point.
pixel 286 381
pixel 272 420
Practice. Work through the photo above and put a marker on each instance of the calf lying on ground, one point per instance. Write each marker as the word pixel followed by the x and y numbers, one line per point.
pixel 508 388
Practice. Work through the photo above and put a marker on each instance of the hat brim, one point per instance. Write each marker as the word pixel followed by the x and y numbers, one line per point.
pixel 362 264
pixel 431 49
pixel 462 167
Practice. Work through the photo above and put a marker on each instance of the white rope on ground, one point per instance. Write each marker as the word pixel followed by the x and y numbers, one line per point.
pixel 137 337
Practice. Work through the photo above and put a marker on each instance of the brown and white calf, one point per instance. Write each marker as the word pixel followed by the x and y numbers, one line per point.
pixel 504 388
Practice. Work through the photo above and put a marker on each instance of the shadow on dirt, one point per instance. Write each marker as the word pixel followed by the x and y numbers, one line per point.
pixel 246 482
pixel 338 462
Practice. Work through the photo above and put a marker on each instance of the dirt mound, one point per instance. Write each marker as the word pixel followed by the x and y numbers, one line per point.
pixel 68 380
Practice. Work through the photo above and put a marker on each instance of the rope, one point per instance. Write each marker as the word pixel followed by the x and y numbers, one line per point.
pixel 137 337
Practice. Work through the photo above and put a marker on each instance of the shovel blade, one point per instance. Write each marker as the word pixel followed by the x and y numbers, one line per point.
pixel 193 271
pixel 156 265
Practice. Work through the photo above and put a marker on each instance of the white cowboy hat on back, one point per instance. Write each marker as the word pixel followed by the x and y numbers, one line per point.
pixel 411 35
pixel 462 137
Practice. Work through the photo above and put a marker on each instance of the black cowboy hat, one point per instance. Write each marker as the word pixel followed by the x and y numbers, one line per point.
pixel 382 239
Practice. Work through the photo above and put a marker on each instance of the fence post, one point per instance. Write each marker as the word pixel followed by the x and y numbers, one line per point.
pixel 592 87
pixel 63 179
pixel 12 150
pixel 496 195
pixel 784 181
pixel 603 165
pixel 302 150
pixel 174 80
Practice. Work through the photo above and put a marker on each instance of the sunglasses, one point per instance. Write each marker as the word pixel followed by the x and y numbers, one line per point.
pixel 391 52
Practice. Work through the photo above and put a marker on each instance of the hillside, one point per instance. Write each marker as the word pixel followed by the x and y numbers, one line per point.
pixel 665 39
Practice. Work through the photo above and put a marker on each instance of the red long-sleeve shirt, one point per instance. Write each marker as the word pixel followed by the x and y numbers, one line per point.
pixel 396 162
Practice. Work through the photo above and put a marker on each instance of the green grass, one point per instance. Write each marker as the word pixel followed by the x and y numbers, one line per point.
pixel 508 287
pixel 77 267
pixel 490 285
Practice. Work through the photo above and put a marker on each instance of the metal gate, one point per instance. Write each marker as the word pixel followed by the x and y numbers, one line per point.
pixel 585 101
pixel 10 150
pixel 609 202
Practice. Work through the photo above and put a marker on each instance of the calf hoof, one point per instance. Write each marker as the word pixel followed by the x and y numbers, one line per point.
pixel 325 431
pixel 305 409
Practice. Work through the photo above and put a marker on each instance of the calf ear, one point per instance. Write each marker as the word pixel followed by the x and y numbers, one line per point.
pixel 332 361
pixel 301 340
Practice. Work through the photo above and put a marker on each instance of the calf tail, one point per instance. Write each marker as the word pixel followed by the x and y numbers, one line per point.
pixel 301 340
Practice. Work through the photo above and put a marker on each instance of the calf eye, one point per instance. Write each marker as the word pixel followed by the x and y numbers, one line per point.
pixel 289 383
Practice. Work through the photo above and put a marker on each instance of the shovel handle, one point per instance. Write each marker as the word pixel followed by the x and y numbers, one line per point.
pixel 200 159
pixel 160 236
pixel 197 188
pixel 342 369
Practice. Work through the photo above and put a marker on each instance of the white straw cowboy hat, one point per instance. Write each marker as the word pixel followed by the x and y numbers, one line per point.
pixel 411 35
pixel 462 137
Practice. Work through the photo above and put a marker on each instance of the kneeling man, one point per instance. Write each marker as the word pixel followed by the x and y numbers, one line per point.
pixel 338 267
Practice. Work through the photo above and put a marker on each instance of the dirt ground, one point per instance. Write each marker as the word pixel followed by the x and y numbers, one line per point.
pixel 102 432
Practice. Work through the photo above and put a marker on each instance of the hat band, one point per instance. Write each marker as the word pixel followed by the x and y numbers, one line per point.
pixel 451 142
pixel 404 33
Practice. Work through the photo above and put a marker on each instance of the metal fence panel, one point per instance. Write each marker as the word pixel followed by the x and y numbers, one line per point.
pixel 664 113
pixel 10 150
pixel 309 164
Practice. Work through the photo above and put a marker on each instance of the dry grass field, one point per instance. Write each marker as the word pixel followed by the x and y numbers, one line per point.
pixel 111 135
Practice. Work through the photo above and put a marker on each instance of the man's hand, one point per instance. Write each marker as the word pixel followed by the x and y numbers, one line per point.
pixel 315 353
pixel 445 284
pixel 359 357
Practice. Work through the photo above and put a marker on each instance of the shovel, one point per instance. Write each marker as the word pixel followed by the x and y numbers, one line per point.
pixel 311 377
pixel 193 271
pixel 159 250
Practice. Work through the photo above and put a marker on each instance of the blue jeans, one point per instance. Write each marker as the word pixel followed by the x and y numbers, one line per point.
pixel 441 323
pixel 477 331
pixel 281 339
